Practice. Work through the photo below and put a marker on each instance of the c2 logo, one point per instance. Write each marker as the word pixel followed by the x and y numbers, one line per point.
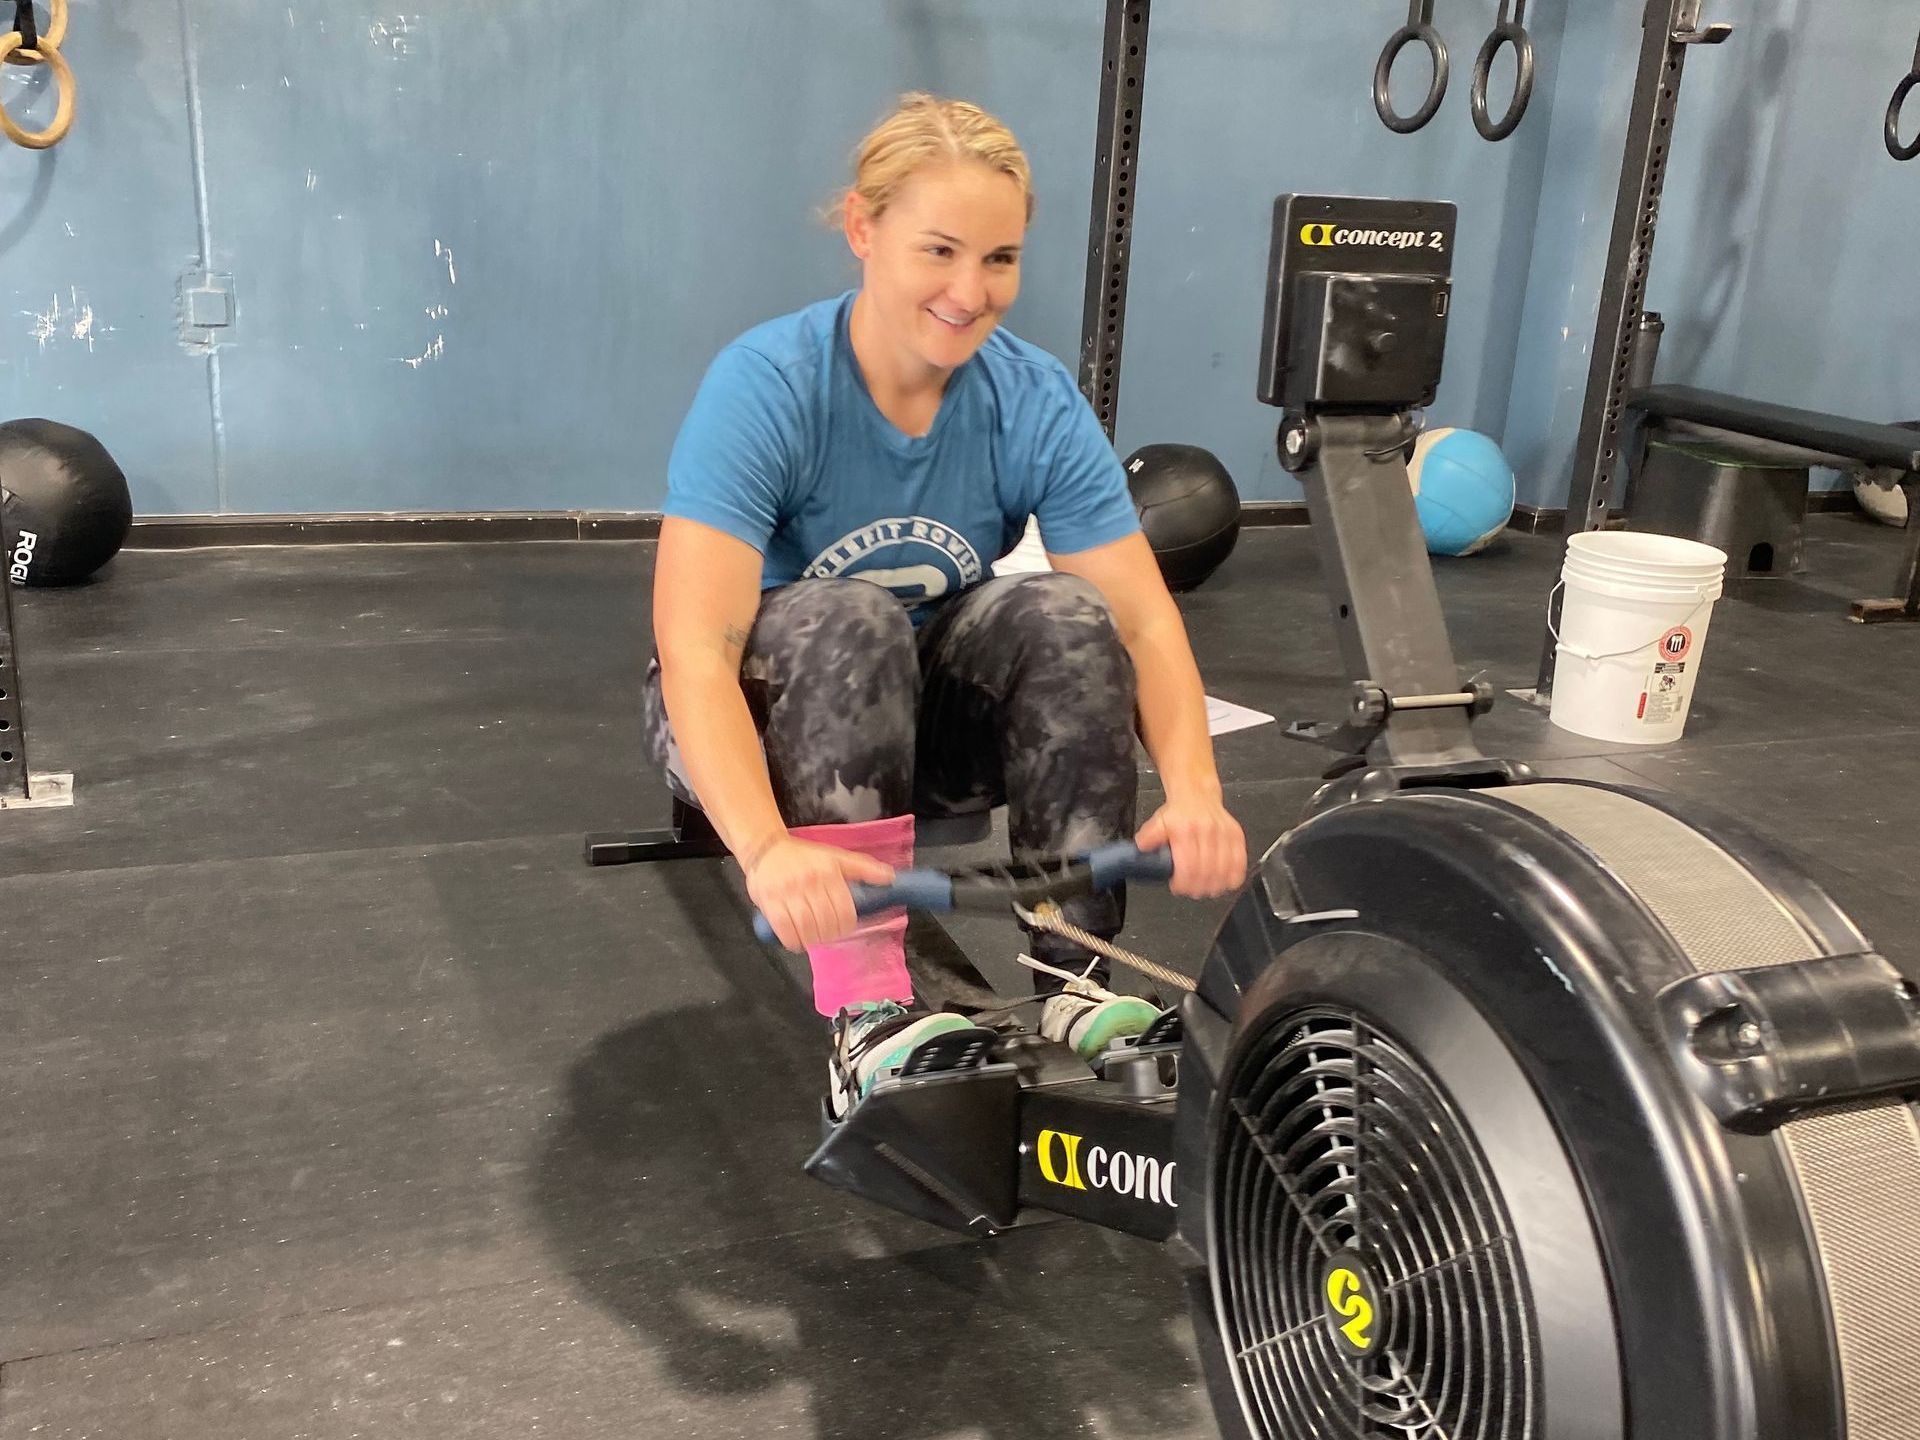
pixel 1346 1297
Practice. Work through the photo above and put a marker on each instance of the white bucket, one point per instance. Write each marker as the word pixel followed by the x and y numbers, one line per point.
pixel 1632 632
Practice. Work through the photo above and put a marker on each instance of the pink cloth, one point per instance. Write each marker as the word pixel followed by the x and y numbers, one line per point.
pixel 871 963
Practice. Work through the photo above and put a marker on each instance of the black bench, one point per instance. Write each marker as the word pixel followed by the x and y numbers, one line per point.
pixel 1766 434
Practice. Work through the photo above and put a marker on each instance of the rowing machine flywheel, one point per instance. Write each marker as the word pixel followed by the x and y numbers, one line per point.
pixel 1544 1113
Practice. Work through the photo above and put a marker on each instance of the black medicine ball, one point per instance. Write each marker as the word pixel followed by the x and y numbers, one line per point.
pixel 1188 507
pixel 64 505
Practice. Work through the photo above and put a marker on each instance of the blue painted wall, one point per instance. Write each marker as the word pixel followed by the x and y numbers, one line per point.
pixel 92 237
pixel 1250 99
pixel 476 272
pixel 1785 252
pixel 1790 257
pixel 482 254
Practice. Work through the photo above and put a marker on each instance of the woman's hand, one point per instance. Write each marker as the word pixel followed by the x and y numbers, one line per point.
pixel 801 887
pixel 1209 847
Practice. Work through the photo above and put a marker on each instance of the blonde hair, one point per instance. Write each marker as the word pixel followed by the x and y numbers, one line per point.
pixel 923 130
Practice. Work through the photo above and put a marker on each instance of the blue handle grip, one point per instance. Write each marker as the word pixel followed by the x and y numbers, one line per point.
pixel 928 890
pixel 1123 860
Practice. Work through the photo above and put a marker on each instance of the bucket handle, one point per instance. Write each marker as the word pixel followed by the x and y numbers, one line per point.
pixel 1579 654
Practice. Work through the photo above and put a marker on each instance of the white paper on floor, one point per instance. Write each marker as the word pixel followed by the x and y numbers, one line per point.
pixel 1029 557
pixel 1224 716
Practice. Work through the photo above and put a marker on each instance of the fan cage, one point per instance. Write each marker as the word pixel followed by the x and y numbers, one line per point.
pixel 1341 1147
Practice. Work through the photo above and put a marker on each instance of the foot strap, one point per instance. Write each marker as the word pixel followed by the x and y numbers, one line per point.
pixel 949 1050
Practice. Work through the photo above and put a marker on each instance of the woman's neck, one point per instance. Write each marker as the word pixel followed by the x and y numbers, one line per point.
pixel 900 384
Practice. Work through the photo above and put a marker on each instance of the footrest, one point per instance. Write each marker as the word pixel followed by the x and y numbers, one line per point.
pixel 941 1145
pixel 953 1050
pixel 1169 1029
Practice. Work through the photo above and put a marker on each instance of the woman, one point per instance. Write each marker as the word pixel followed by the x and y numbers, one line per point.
pixel 833 653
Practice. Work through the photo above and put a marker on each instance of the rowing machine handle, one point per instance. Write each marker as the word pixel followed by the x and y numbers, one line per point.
pixel 931 891
pixel 1124 860
pixel 927 890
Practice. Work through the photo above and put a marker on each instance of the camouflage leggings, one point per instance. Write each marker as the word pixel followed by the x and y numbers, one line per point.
pixel 1017 692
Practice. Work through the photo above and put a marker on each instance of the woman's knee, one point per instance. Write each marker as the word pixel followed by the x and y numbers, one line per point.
pixel 831 627
pixel 1056 598
pixel 1066 624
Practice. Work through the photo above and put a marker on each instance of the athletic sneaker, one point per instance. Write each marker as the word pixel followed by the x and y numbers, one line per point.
pixel 872 1039
pixel 1088 1025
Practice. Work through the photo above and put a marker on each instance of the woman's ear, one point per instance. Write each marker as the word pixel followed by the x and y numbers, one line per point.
pixel 858 222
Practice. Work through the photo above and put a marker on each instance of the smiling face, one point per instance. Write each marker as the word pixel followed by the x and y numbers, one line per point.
pixel 941 263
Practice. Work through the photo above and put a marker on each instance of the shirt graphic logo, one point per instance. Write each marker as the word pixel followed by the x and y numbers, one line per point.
pixel 919 560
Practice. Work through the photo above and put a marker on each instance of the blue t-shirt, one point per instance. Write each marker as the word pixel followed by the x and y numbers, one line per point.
pixel 784 448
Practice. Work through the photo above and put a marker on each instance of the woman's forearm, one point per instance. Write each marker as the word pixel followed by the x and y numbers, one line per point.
pixel 1173 710
pixel 720 749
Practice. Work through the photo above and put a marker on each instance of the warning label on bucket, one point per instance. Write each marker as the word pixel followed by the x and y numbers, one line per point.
pixel 1666 695
pixel 1676 643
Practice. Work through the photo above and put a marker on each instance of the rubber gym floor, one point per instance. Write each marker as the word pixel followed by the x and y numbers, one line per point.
pixel 345 1100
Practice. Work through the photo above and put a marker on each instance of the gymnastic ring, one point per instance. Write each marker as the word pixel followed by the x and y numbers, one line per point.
pixel 1510 31
pixel 1894 147
pixel 49 38
pixel 63 114
pixel 1383 76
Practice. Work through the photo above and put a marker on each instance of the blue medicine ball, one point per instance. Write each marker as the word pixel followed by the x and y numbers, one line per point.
pixel 1463 488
